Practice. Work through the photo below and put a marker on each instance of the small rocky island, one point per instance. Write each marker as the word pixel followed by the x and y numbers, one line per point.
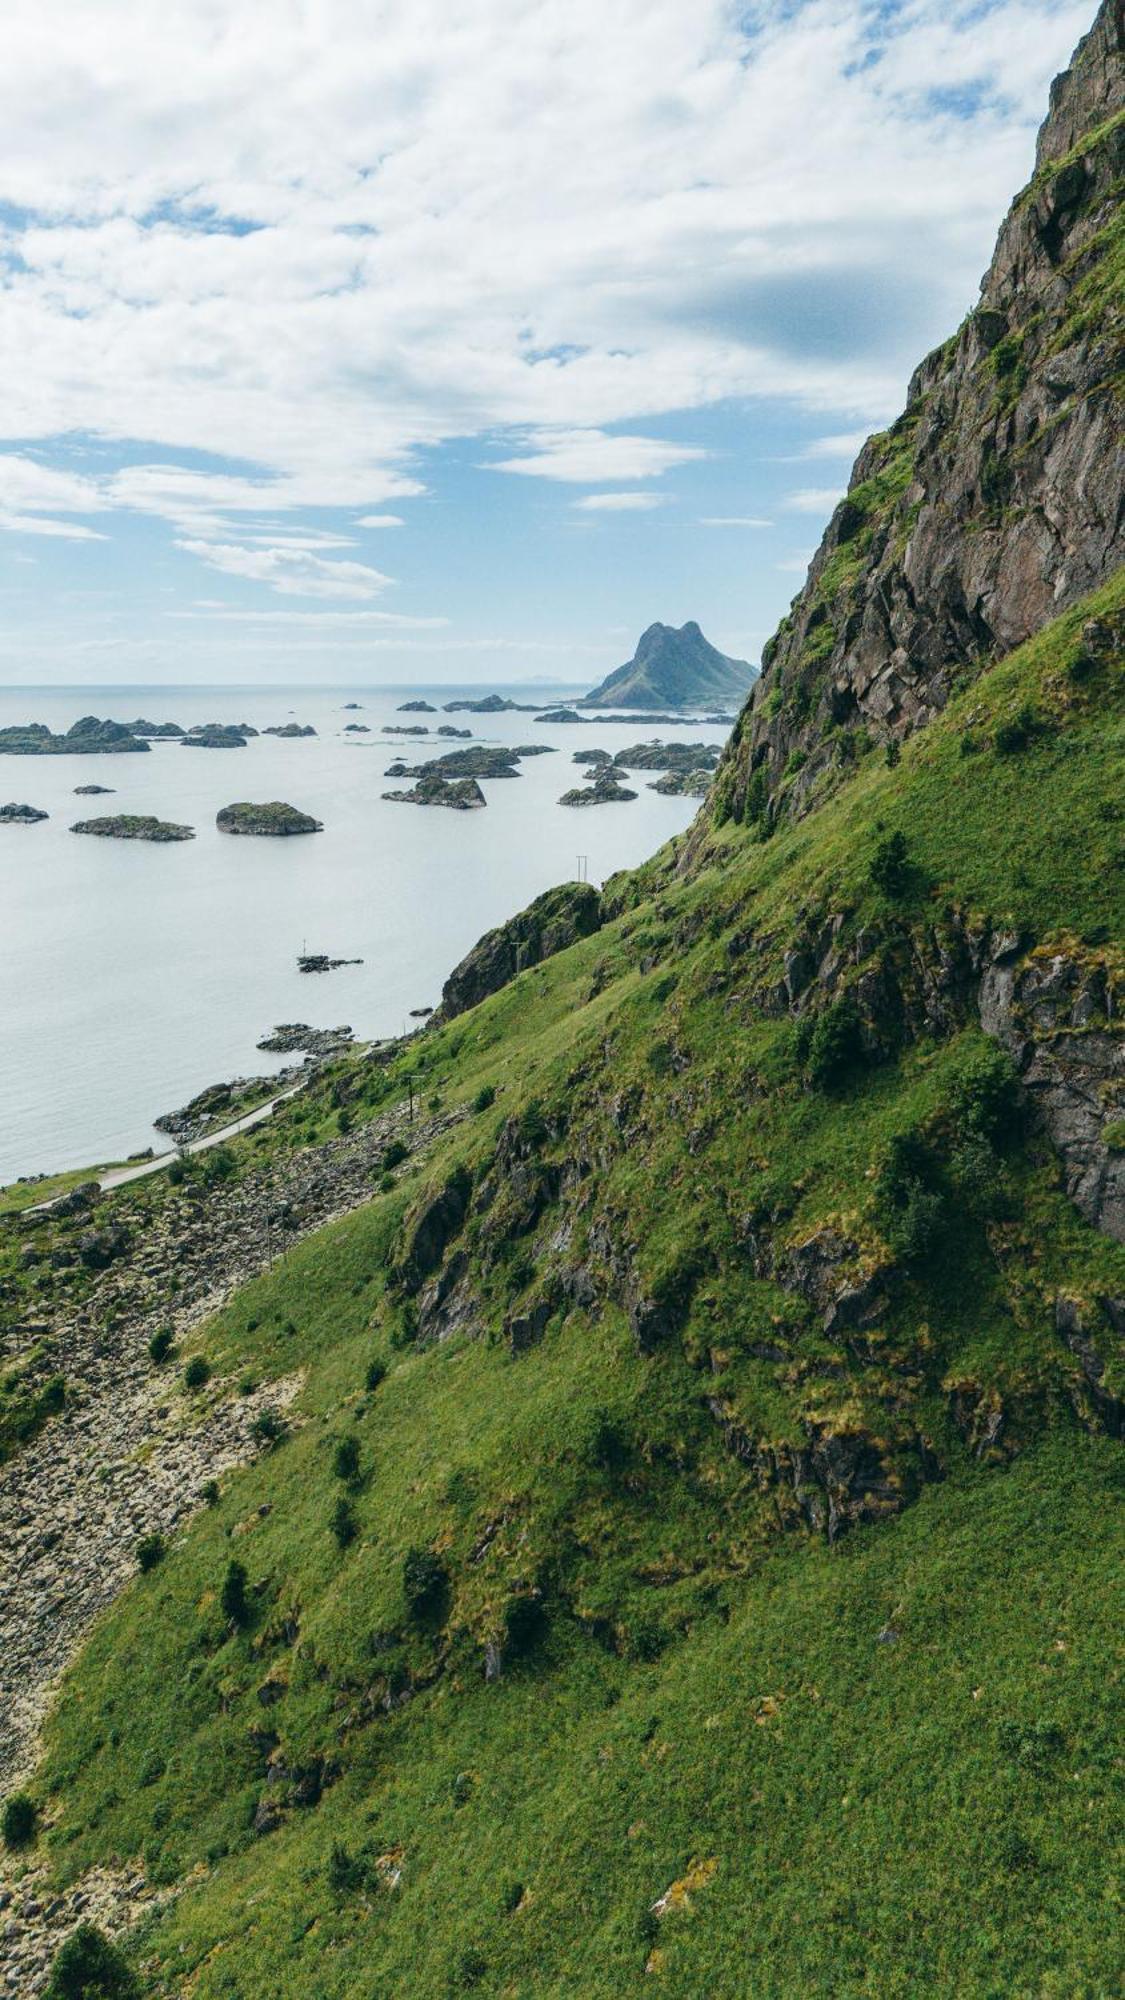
pixel 433 789
pixel 93 791
pixel 290 729
pixel 416 708
pixel 216 736
pixel 475 763
pixel 684 784
pixel 86 737
pixel 154 729
pixel 319 961
pixel 604 790
pixel 134 826
pixel 275 819
pixel 21 815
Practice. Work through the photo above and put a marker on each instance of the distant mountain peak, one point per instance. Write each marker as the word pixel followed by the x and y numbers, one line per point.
pixel 674 667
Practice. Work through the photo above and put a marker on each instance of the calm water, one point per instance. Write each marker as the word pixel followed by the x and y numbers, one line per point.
pixel 133 975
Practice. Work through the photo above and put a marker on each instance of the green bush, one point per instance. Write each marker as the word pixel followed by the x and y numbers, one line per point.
pixel 343 1522
pixel 889 871
pixel 910 1202
pixel 376 1373
pixel 232 1598
pixel 835 1045
pixel 150 1550
pixel 345 1459
pixel 1013 736
pixel 89 1967
pixel 197 1372
pixel 986 1095
pixel 394 1155
pixel 425 1581
pixel 346 1872
pixel 485 1097
pixel 268 1427
pixel 21 1817
pixel 160 1346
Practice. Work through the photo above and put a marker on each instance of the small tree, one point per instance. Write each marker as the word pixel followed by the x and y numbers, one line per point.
pixel 890 869
pixel 345 1460
pixel 376 1371
pixel 150 1551
pixel 232 1598
pixel 89 1967
pixel 835 1046
pixel 21 1817
pixel 197 1372
pixel 160 1346
pixel 343 1522
pixel 424 1582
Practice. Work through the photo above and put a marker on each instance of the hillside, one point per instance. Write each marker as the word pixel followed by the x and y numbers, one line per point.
pixel 674 668
pixel 636 1468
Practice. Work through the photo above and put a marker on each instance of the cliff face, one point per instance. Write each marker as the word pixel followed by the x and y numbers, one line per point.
pixel 995 501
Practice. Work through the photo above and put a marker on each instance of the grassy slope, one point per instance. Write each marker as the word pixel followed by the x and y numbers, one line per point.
pixel 933 1814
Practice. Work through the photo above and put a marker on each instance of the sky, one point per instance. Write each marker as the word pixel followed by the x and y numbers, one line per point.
pixel 398 341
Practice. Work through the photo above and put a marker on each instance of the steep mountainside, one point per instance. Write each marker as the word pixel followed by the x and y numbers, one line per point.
pixel 998 497
pixel 674 668
pixel 623 1487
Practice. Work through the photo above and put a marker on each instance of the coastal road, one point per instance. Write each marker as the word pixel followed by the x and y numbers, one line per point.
pixel 115 1177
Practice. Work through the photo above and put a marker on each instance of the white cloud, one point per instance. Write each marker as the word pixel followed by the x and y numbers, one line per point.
pixel 619 503
pixel 293 572
pixel 42 524
pixel 584 457
pixel 732 521
pixel 310 243
pixel 813 500
pixel 380 521
pixel 842 444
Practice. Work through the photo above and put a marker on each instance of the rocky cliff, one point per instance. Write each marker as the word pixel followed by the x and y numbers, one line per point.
pixel 995 501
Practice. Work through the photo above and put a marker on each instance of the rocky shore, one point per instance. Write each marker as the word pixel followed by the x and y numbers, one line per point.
pixel 459 794
pixel 21 815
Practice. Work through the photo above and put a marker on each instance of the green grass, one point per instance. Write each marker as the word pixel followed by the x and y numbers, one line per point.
pixel 685 1684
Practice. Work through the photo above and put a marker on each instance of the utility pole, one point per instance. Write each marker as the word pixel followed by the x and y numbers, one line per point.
pixel 410 1087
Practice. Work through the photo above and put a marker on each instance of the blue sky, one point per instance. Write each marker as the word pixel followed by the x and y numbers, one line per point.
pixel 371 340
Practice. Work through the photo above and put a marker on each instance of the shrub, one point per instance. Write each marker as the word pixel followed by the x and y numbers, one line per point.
pixel 986 1094
pixel 52 1396
pixel 21 1817
pixel 511 1896
pixel 835 1047
pixel 609 1443
pixel 485 1097
pixel 893 754
pixel 1015 735
pixel 425 1581
pixel 267 1427
pixel 232 1597
pixel 981 1181
pixel 394 1155
pixel 209 1492
pixel 911 1205
pixel 470 1969
pixel 197 1372
pixel 525 1626
pixel 89 1967
pixel 345 1871
pixel 150 1550
pixel 1114 1135
pixel 176 1171
pixel 160 1346
pixel 343 1123
pixel 376 1373
pixel 343 1523
pixel 345 1459
pixel 890 870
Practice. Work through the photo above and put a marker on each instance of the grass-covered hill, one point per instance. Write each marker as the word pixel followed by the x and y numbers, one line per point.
pixel 647 1514
pixel 692 1561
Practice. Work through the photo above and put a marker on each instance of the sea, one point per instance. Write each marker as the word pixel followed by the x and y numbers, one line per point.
pixel 133 975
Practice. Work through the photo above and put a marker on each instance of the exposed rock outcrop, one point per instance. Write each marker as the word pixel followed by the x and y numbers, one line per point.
pixel 549 924
pixel 13 815
pixel 673 669
pixel 998 497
